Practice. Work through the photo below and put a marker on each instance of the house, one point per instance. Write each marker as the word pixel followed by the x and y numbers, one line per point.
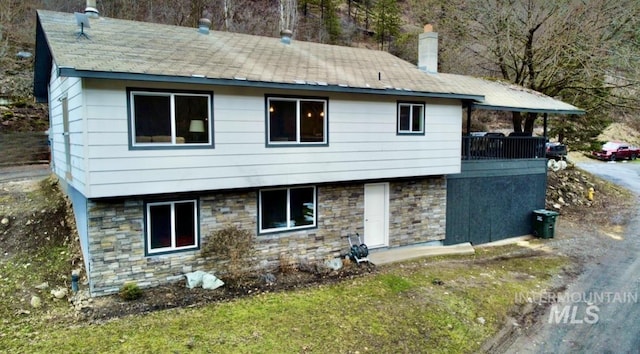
pixel 162 135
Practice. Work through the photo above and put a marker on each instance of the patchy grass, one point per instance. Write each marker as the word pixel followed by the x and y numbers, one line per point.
pixel 438 304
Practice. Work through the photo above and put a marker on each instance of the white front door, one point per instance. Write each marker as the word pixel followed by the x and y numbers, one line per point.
pixel 376 215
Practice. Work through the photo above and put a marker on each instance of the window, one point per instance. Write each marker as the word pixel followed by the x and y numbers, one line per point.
pixel 171 226
pixel 288 208
pixel 170 119
pixel 410 118
pixel 296 121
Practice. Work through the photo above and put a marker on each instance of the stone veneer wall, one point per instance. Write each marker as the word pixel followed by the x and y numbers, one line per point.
pixel 417 211
pixel 116 231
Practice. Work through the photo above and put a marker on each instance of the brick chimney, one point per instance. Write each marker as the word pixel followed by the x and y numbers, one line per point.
pixel 428 50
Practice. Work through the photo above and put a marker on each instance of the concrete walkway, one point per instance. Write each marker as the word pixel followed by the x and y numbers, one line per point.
pixel 411 252
pixel 400 254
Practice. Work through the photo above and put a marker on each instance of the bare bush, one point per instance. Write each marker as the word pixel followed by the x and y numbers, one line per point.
pixel 232 249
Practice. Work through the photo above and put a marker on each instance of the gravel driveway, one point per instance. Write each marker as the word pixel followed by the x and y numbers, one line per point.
pixel 599 311
pixel 16 173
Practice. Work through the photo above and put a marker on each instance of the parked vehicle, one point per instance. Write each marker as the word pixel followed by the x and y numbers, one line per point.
pixel 556 151
pixel 616 150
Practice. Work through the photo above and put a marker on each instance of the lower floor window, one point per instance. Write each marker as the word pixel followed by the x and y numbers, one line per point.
pixel 172 226
pixel 287 208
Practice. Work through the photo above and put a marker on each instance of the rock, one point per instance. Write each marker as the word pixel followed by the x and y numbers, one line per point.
pixel 481 320
pixel 24 55
pixel 269 278
pixel 4 221
pixel 194 279
pixel 42 286
pixel 36 301
pixel 59 293
pixel 334 264
pixel 81 300
pixel 210 282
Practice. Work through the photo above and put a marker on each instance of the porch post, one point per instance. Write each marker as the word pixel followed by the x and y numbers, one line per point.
pixel 545 126
pixel 469 119
pixel 467 146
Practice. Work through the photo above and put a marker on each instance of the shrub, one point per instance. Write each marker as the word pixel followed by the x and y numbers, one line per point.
pixel 233 246
pixel 130 291
pixel 286 264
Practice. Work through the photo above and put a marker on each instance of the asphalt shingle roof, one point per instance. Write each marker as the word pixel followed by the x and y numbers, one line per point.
pixel 123 48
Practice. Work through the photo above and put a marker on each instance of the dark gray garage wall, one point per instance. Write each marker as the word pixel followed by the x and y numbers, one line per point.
pixel 493 200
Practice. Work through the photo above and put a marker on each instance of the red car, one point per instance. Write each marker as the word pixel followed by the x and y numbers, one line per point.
pixel 616 150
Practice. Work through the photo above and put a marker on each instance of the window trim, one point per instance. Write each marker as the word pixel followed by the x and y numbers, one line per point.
pixel 297 143
pixel 173 249
pixel 288 228
pixel 411 104
pixel 131 91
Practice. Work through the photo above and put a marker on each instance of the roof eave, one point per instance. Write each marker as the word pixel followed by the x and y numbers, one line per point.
pixel 527 110
pixel 72 72
pixel 42 65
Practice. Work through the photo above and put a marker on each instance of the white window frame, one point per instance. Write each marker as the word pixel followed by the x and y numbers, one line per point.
pixel 173 247
pixel 288 227
pixel 172 96
pixel 298 118
pixel 411 105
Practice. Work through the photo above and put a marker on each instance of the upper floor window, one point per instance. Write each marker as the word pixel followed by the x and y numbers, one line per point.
pixel 296 121
pixel 287 208
pixel 410 118
pixel 171 226
pixel 170 119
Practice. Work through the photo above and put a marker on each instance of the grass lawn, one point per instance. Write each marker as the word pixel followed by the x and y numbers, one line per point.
pixel 445 304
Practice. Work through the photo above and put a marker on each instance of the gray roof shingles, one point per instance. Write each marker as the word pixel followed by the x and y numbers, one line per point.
pixel 130 47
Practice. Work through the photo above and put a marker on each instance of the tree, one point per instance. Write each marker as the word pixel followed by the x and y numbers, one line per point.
pixel 288 14
pixel 320 20
pixel 387 20
pixel 564 48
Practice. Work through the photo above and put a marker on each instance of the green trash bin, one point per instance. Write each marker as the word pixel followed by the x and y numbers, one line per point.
pixel 544 223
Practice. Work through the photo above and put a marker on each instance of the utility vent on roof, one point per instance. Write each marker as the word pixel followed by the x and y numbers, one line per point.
pixel 204 25
pixel 286 36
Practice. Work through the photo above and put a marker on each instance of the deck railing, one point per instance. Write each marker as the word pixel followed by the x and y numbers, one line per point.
pixel 502 147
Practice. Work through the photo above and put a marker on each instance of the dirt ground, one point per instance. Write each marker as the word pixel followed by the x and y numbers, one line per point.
pixel 24 211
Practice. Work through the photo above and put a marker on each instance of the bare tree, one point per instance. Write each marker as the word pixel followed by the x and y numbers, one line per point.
pixel 565 48
pixel 288 14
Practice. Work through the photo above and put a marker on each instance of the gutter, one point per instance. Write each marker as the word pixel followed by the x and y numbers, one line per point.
pixel 241 82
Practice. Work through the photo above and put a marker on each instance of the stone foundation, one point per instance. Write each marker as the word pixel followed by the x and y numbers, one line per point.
pixel 117 245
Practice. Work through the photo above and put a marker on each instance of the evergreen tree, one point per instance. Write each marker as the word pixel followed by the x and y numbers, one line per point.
pixel 387 21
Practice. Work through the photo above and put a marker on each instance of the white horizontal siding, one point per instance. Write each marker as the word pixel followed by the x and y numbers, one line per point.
pixel 268 162
pixel 363 144
pixel 187 183
pixel 71 89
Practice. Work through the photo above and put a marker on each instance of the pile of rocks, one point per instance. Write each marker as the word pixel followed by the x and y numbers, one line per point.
pixel 81 300
pixel 568 189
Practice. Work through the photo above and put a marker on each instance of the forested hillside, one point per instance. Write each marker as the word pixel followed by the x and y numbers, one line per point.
pixel 584 52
